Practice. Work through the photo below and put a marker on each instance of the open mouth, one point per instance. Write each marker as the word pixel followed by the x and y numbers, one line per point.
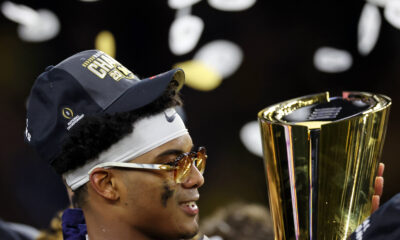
pixel 190 208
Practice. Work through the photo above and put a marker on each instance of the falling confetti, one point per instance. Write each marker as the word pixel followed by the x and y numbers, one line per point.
pixel 379 3
pixel 250 135
pixel 223 56
pixel 332 60
pixel 184 34
pixel 179 4
pixel 231 5
pixel 199 75
pixel 34 26
pixel 215 61
pixel 105 42
pixel 368 28
pixel 392 13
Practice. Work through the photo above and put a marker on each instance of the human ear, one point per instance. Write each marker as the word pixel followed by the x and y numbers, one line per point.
pixel 104 184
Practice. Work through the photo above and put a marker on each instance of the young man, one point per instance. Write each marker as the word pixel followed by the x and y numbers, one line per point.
pixel 120 147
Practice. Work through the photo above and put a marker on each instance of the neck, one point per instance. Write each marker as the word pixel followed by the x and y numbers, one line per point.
pixel 101 225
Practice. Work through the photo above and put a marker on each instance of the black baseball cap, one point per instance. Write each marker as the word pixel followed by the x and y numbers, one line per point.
pixel 85 84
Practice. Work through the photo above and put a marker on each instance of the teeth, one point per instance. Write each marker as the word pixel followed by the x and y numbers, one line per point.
pixel 191 204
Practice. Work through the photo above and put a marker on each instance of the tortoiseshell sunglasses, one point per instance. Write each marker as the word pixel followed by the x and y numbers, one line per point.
pixel 181 166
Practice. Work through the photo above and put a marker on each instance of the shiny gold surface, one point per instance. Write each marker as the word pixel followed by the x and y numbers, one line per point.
pixel 324 195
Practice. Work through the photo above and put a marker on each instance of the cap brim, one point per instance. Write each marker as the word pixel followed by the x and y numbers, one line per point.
pixel 146 91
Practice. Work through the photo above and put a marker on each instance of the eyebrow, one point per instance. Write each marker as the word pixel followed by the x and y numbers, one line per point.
pixel 170 152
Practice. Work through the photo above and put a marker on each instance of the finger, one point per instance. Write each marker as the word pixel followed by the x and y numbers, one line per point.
pixel 378 186
pixel 381 168
pixel 375 203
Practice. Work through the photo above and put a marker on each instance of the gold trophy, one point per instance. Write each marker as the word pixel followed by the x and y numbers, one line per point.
pixel 321 157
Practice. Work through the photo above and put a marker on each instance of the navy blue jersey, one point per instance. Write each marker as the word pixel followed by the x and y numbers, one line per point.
pixel 383 224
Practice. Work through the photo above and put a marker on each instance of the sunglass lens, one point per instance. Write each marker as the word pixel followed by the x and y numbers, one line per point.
pixel 183 168
pixel 185 164
pixel 201 159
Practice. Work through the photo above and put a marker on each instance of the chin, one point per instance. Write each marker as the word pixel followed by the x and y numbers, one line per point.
pixel 183 234
pixel 188 235
pixel 190 230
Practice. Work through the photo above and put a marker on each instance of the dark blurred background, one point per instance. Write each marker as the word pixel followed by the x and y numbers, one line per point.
pixel 278 40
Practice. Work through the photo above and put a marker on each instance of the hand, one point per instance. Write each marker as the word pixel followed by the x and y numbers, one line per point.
pixel 378 188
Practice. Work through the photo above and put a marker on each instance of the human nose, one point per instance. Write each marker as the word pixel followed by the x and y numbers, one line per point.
pixel 194 179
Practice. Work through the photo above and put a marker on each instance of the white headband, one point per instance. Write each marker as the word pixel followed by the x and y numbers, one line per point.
pixel 148 133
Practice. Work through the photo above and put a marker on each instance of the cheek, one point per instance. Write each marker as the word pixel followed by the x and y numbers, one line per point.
pixel 167 193
pixel 149 192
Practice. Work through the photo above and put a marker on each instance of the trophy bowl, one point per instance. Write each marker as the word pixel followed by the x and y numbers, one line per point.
pixel 321 156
